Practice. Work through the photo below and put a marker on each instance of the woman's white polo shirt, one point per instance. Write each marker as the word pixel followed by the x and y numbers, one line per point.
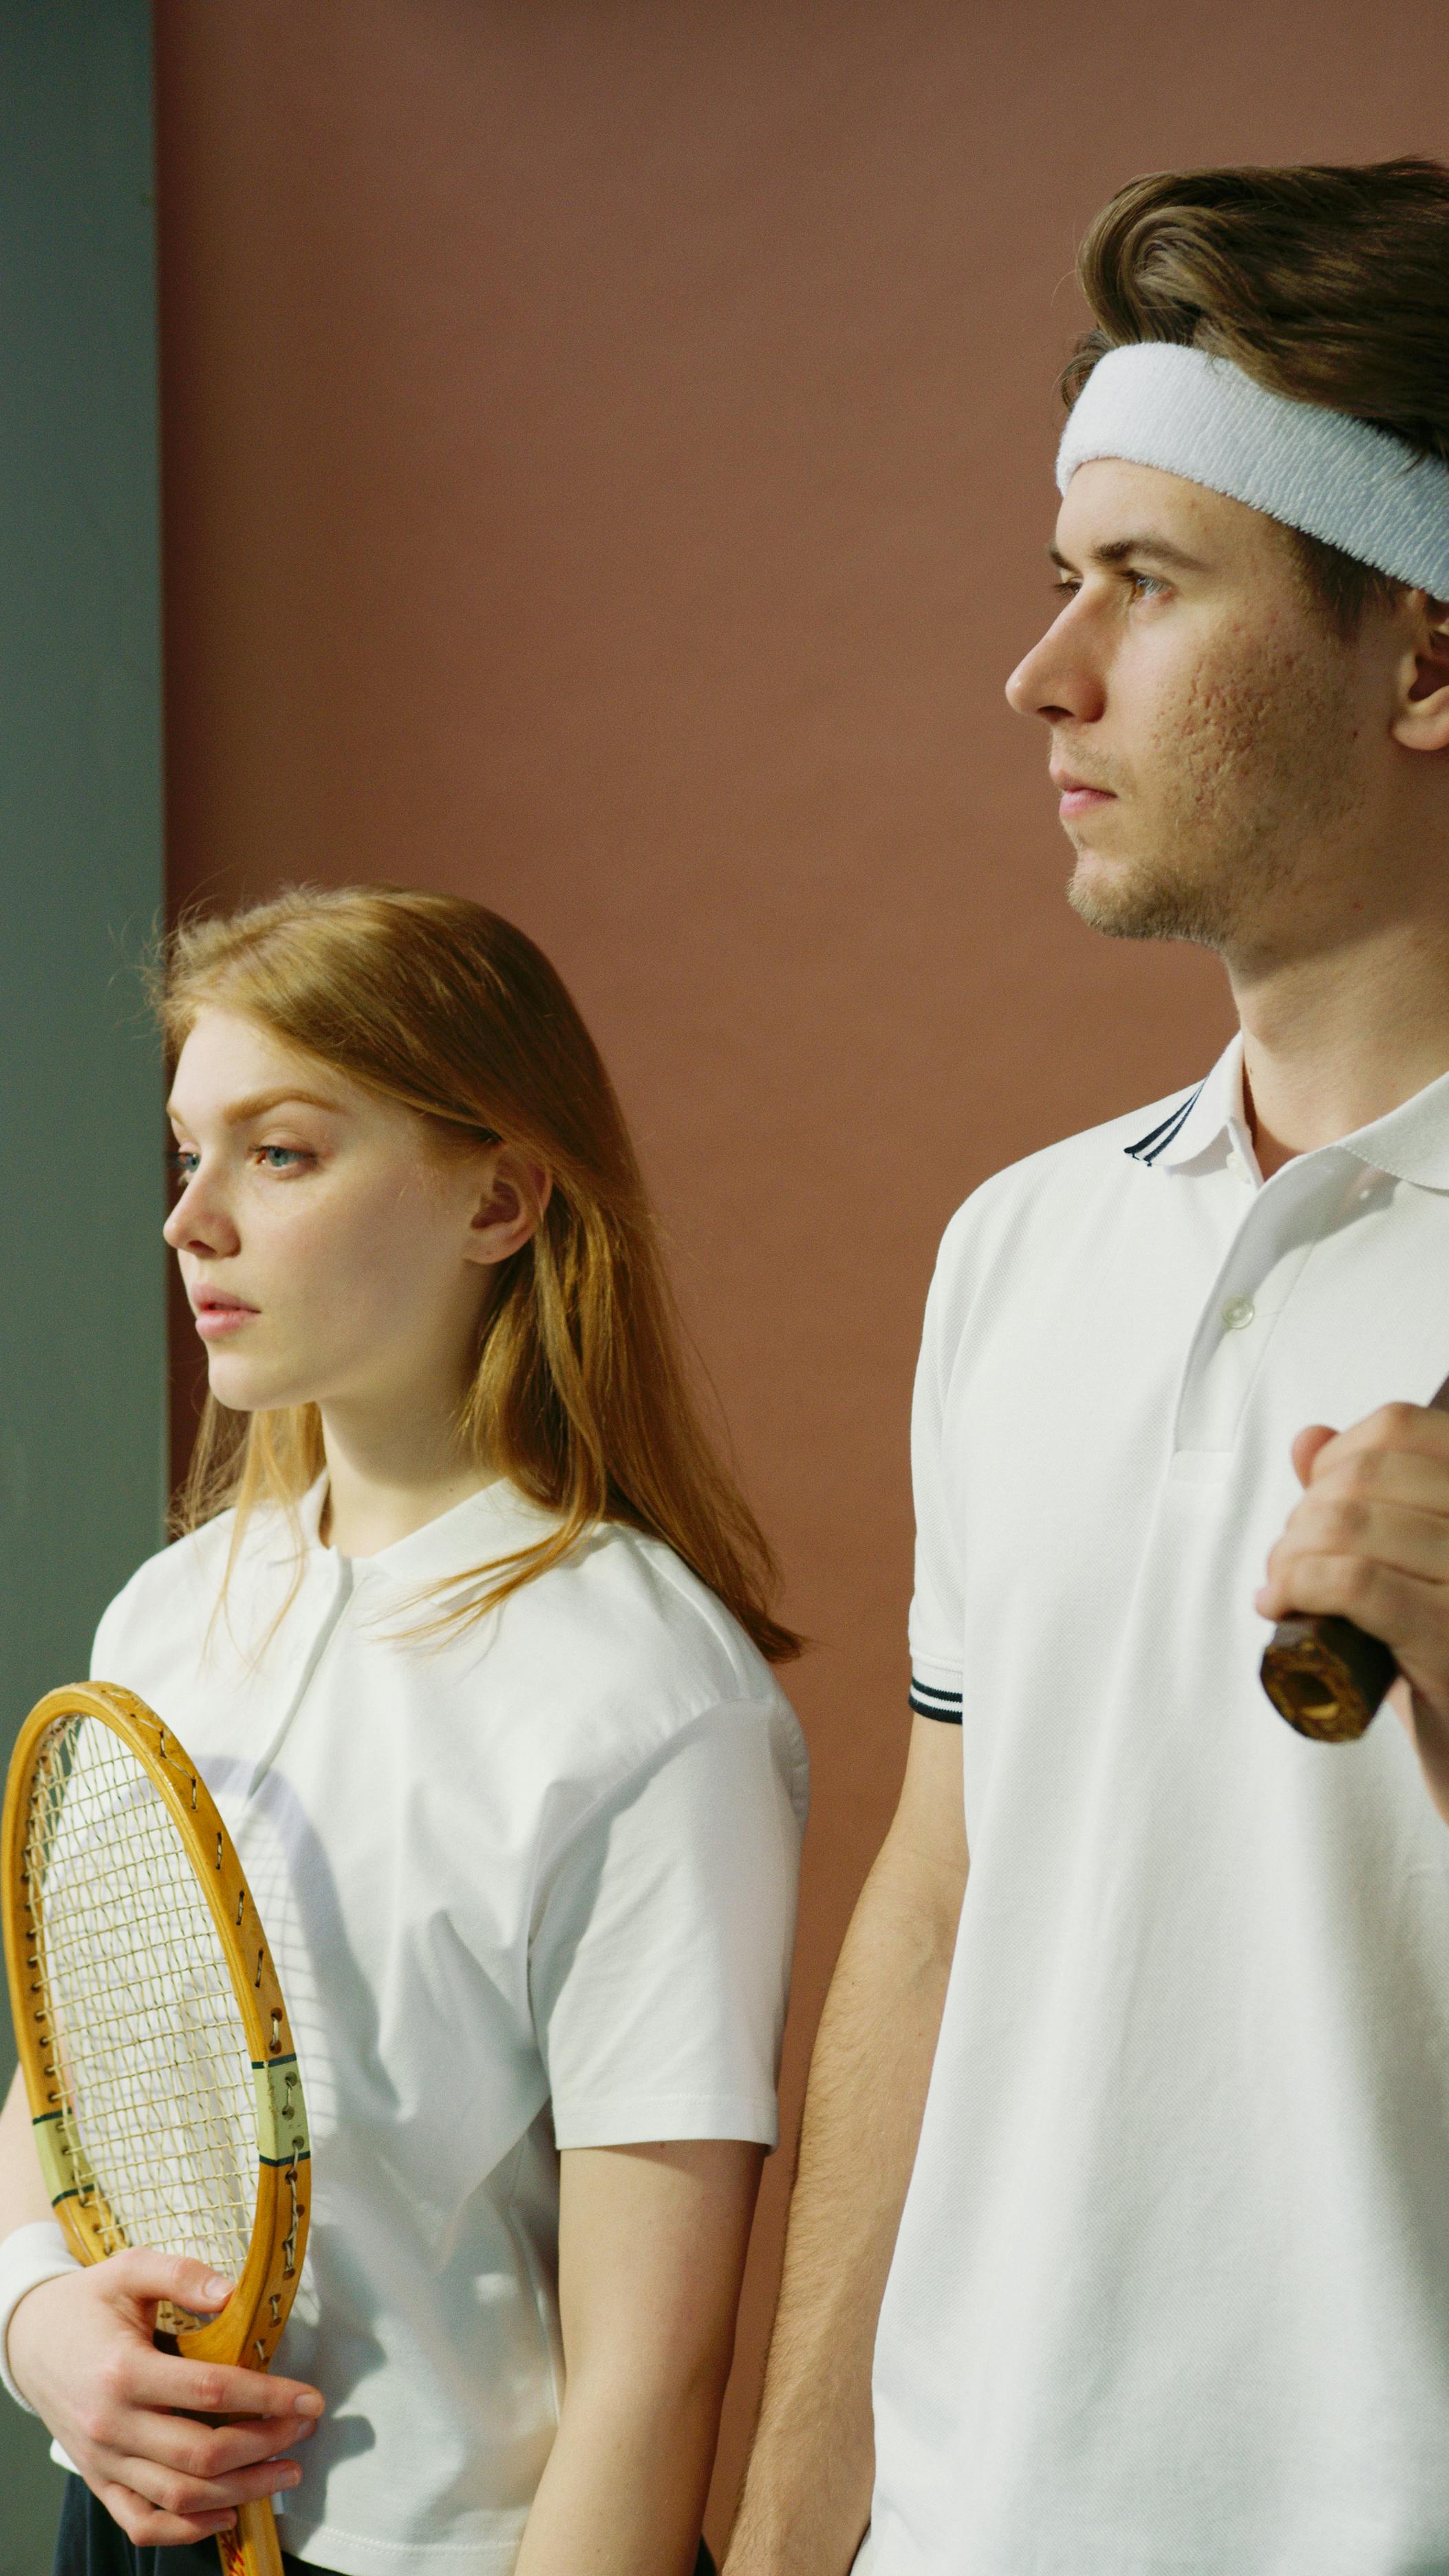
pixel 529 1887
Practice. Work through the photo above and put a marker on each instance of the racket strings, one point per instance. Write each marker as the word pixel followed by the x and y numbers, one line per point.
pixel 152 2072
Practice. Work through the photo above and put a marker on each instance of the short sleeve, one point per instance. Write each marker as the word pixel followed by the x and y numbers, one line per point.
pixel 103 1650
pixel 660 1962
pixel 938 1618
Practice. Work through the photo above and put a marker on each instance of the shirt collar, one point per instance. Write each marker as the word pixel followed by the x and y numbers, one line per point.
pixel 1201 1128
pixel 496 1521
pixel 491 1523
pixel 1413 1141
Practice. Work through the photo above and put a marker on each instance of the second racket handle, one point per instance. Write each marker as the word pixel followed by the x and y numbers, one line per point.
pixel 1326 1676
pixel 253 2548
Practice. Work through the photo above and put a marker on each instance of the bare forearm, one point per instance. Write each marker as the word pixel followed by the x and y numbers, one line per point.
pixel 807 2496
pixel 625 2486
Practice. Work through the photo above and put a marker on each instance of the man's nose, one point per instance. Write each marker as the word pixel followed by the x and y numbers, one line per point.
pixel 1057 679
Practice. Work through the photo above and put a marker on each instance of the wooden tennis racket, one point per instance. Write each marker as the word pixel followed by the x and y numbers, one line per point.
pixel 151 2029
pixel 1327 1676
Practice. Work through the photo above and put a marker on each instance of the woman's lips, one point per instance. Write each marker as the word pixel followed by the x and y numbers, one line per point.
pixel 213 1323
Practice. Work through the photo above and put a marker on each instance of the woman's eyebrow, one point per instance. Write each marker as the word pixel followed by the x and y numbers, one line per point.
pixel 257 1104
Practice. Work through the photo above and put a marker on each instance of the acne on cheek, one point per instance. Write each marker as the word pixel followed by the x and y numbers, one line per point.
pixel 1226 711
pixel 1206 740
pixel 1259 746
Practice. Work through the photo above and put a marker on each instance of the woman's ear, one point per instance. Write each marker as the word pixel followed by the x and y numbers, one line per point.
pixel 509 1200
pixel 1422 720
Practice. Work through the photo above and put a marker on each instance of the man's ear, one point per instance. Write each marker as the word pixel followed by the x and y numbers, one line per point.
pixel 509 1207
pixel 1422 720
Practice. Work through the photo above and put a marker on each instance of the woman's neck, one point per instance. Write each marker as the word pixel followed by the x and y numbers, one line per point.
pixel 381 1489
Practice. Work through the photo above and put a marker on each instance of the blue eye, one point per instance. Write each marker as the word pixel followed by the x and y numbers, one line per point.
pixel 282 1157
pixel 183 1163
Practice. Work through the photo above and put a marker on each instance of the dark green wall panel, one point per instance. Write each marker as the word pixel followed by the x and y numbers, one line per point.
pixel 82 1358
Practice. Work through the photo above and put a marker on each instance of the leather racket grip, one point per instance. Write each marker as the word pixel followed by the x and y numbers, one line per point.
pixel 252 2548
pixel 1326 1676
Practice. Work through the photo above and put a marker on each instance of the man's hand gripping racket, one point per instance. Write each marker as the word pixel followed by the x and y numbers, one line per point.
pixel 153 2040
pixel 1327 1676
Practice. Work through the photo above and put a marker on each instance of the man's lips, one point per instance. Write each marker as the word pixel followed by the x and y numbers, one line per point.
pixel 217 1314
pixel 1076 796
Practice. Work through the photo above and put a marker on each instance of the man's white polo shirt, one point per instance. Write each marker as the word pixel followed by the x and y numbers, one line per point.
pixel 527 1889
pixel 1171 2291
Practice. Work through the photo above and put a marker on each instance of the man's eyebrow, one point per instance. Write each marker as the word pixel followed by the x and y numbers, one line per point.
pixel 257 1104
pixel 1143 549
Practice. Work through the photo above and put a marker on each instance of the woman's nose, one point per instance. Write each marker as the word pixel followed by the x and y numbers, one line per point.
pixel 198 1222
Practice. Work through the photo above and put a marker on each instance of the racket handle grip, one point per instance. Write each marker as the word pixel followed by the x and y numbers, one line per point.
pixel 1326 1677
pixel 252 2548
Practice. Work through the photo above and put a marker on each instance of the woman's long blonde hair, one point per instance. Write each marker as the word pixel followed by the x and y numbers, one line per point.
pixel 579 1395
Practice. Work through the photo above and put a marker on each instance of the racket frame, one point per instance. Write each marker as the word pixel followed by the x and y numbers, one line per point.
pixel 247 2330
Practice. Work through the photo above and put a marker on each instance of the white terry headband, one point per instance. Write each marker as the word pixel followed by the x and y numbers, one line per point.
pixel 1153 403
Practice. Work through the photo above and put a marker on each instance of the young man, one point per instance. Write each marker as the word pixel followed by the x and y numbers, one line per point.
pixel 1168 2252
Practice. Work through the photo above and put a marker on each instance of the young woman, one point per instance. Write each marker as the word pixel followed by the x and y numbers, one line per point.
pixel 469 1635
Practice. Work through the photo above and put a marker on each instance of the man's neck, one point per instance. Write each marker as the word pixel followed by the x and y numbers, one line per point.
pixel 1335 1040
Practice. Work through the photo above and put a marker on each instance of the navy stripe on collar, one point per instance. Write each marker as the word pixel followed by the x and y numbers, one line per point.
pixel 1156 1141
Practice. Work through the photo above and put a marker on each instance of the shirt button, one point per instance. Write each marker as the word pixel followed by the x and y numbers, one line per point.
pixel 1238 1313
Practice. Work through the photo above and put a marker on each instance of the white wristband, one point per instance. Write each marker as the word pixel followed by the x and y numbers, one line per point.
pixel 28 2256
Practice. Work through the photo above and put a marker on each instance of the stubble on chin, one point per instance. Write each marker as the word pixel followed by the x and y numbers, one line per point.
pixel 1146 898
pixel 1171 879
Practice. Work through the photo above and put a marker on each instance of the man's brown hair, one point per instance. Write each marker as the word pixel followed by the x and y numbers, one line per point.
pixel 1327 283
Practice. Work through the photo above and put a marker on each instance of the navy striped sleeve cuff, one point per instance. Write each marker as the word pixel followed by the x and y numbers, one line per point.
pixel 929 1700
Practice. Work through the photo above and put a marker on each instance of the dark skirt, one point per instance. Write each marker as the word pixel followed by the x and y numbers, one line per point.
pixel 88 2543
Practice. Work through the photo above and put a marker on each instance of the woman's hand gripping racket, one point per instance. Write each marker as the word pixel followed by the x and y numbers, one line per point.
pixel 151 2029
pixel 1327 1676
